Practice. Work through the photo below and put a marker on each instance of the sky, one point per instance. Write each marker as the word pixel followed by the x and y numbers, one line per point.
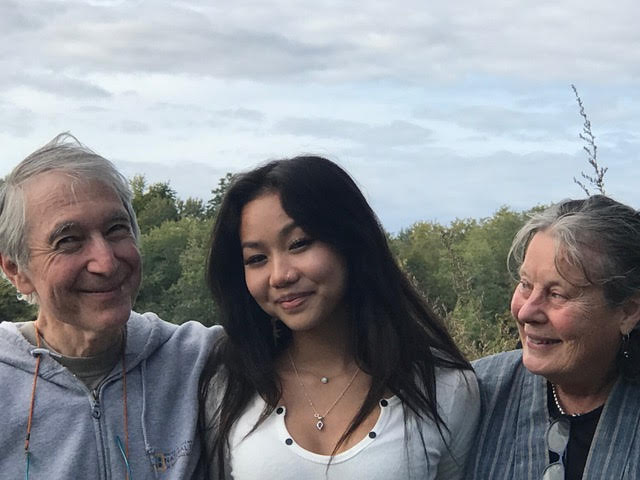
pixel 439 110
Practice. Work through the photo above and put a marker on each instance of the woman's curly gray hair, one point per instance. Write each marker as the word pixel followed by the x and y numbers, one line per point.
pixel 601 237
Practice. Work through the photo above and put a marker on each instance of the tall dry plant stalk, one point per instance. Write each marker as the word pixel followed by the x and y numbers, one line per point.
pixel 591 149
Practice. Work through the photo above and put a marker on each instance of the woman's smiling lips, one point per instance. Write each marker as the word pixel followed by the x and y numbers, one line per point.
pixel 292 300
pixel 536 341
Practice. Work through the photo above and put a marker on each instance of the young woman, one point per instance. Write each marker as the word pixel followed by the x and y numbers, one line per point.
pixel 333 365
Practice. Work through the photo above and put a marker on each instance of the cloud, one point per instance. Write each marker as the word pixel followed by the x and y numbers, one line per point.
pixel 406 40
pixel 187 178
pixel 442 186
pixel 15 120
pixel 438 109
pixel 180 116
pixel 245 114
pixel 130 127
pixel 53 83
pixel 529 124
pixel 395 134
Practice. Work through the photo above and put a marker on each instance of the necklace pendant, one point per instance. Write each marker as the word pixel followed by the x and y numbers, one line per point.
pixel 324 380
pixel 320 424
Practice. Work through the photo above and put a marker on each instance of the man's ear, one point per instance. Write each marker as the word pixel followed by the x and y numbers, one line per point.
pixel 631 315
pixel 16 276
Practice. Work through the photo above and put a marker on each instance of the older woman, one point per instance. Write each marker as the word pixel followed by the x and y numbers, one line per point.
pixel 567 405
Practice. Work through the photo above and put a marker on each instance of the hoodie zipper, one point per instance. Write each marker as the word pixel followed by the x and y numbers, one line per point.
pixel 96 413
pixel 95 408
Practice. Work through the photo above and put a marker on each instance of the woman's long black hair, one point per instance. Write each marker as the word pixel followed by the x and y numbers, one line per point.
pixel 396 338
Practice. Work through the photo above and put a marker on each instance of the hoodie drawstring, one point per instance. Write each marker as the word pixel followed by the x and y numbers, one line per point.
pixel 38 352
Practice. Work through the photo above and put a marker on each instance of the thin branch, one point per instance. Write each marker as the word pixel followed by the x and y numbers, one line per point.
pixel 591 149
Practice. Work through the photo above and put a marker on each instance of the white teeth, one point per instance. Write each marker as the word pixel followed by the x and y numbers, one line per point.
pixel 542 342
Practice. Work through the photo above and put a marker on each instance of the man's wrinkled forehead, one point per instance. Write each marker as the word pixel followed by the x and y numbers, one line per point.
pixel 51 198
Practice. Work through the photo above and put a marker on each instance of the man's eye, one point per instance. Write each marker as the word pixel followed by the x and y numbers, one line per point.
pixel 67 242
pixel 119 229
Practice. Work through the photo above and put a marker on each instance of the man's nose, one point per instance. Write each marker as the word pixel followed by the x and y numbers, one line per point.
pixel 102 259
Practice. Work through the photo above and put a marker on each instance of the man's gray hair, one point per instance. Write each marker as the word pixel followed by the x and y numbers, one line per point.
pixel 62 154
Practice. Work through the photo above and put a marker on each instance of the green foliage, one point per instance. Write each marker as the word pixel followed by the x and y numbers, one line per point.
pixel 462 271
pixel 174 242
pixel 192 298
pixel 12 309
pixel 157 211
pixel 422 253
pixel 485 250
pixel 173 282
pixel 217 195
pixel 191 207
pixel 161 249
pixel 153 205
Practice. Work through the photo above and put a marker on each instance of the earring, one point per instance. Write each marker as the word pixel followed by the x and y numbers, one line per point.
pixel 626 354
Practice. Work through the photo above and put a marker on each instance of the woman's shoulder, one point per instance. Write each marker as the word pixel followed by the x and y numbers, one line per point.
pixel 499 365
pixel 501 378
pixel 451 380
pixel 457 396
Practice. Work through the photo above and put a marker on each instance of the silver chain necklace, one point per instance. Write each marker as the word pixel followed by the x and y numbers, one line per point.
pixel 560 409
pixel 316 415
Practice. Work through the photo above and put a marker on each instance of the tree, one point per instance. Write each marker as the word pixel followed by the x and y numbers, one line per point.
pixel 422 254
pixel 154 204
pixel 218 194
pixel 157 211
pixel 462 270
pixel 138 185
pixel 161 249
pixel 192 298
pixel 174 258
pixel 12 309
pixel 191 207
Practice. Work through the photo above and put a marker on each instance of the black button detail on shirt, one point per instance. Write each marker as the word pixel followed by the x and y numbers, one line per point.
pixel 372 434
pixel 288 441
pixel 279 410
pixel 383 403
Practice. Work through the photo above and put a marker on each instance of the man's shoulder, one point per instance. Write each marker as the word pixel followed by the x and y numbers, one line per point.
pixel 152 321
pixel 149 332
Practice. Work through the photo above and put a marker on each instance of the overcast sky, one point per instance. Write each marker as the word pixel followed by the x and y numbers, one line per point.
pixel 438 109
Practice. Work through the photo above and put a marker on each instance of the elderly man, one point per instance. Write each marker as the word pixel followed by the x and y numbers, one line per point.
pixel 90 389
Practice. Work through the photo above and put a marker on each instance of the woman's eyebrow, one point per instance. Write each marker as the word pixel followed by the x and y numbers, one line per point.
pixel 283 233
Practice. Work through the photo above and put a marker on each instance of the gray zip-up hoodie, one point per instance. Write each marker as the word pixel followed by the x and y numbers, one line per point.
pixel 75 431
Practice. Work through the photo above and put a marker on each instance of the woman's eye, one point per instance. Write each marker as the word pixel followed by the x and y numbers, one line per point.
pixel 524 285
pixel 254 259
pixel 300 243
pixel 557 296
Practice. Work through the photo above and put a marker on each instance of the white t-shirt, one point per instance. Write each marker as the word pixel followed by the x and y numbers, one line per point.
pixel 385 453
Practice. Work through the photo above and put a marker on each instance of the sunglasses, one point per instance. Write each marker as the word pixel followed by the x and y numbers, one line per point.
pixel 557 441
